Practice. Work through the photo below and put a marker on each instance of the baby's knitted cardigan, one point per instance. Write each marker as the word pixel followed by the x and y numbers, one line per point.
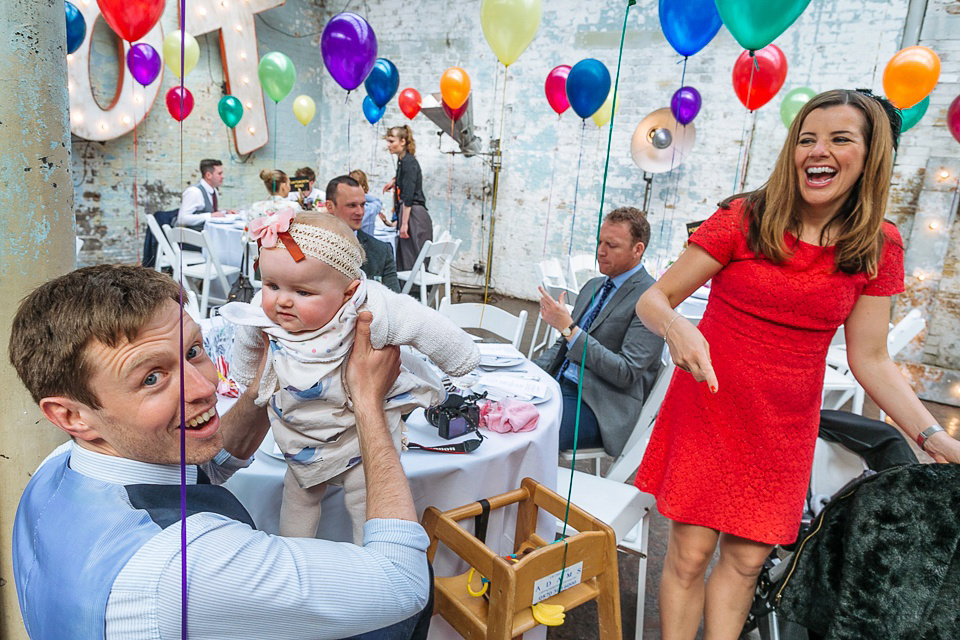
pixel 398 319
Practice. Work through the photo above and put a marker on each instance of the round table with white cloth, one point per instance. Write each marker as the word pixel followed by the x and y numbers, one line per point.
pixel 225 237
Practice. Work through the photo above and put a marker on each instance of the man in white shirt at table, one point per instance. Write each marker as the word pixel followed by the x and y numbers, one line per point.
pixel 201 201
pixel 97 547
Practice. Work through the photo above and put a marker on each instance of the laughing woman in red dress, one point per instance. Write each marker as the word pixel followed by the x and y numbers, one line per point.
pixel 730 456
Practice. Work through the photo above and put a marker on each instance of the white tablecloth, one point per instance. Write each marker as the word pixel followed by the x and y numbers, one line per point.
pixel 441 480
pixel 226 241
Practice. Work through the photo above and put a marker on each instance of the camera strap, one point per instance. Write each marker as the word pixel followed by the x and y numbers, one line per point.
pixel 464 446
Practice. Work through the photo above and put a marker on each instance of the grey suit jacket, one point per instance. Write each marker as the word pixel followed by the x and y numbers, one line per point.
pixel 622 359
pixel 380 264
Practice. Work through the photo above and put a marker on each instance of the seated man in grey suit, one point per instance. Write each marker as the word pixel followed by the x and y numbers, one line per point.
pixel 346 199
pixel 620 356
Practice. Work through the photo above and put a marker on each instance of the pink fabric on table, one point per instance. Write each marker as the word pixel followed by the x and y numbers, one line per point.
pixel 509 415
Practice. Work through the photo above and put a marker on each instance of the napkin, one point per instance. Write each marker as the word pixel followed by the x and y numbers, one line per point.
pixel 509 415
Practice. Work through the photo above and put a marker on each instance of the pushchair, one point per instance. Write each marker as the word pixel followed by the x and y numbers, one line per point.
pixel 879 559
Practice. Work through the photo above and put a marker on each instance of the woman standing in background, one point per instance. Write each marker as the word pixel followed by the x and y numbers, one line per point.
pixel 414 226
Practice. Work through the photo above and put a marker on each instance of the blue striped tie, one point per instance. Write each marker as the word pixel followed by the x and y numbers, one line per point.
pixel 585 324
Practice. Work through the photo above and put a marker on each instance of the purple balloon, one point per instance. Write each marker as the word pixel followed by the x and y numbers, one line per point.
pixel 144 63
pixel 685 105
pixel 349 49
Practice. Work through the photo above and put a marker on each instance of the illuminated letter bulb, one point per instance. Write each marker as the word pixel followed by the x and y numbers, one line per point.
pixel 251 130
pixel 944 174
pixel 935 225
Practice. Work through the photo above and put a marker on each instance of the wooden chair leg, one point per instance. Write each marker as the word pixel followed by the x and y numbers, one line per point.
pixel 608 602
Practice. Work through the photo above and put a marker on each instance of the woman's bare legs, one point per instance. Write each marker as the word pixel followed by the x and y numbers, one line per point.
pixel 689 551
pixel 731 586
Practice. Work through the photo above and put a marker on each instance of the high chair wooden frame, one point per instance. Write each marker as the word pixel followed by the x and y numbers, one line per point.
pixel 506 612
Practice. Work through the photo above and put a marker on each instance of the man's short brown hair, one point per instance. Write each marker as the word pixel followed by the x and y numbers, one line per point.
pixel 636 220
pixel 207 165
pixel 59 319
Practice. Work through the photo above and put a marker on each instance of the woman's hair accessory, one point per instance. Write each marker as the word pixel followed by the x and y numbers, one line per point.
pixel 894 115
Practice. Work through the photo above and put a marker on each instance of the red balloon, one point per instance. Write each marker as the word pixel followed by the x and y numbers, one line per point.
pixel 131 19
pixel 409 102
pixel 768 76
pixel 556 88
pixel 953 118
pixel 456 114
pixel 179 105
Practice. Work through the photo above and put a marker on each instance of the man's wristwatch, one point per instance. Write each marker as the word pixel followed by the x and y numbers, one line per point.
pixel 926 433
pixel 566 333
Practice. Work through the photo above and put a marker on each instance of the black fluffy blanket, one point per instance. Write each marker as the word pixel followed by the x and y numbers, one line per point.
pixel 884 564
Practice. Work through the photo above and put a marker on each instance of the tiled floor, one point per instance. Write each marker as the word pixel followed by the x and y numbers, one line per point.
pixel 581 623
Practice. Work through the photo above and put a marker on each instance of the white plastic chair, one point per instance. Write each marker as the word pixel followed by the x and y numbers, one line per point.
pixel 580 263
pixel 440 255
pixel 165 254
pixel 473 315
pixel 621 506
pixel 206 272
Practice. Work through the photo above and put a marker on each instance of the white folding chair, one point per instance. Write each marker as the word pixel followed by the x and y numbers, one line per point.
pixel 443 237
pixel 472 315
pixel 165 254
pixel 549 270
pixel 440 255
pixel 206 273
pixel 621 506
pixel 578 264
pixel 79 246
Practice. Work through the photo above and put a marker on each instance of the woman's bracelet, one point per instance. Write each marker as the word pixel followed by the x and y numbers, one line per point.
pixel 926 433
pixel 670 324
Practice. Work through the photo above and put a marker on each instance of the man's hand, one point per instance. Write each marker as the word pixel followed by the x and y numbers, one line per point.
pixel 217 214
pixel 390 185
pixel 370 372
pixel 554 312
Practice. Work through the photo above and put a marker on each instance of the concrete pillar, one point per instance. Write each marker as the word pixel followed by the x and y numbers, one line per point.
pixel 36 236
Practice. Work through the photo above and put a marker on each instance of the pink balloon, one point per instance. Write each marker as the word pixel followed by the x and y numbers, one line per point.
pixel 953 118
pixel 179 104
pixel 556 88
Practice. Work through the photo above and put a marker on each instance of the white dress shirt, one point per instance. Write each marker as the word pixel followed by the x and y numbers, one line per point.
pixel 246 584
pixel 192 202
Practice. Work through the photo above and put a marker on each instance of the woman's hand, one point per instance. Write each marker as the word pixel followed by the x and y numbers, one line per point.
pixel 389 223
pixel 690 351
pixel 390 185
pixel 942 448
pixel 404 231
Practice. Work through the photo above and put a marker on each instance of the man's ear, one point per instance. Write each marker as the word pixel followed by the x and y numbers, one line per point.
pixel 70 415
pixel 329 205
pixel 640 248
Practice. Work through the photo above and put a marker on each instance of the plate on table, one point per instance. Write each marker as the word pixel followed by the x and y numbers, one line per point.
pixel 499 362
pixel 517 385
pixel 224 220
pixel 499 356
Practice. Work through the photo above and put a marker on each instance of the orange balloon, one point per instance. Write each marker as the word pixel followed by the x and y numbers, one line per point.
pixel 910 76
pixel 455 87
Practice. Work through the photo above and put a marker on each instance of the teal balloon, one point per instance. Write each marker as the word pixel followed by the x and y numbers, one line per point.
pixel 793 102
pixel 277 75
pixel 231 111
pixel 757 23
pixel 913 115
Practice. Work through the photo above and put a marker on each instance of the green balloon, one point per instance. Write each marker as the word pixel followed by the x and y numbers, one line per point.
pixel 793 102
pixel 231 111
pixel 277 75
pixel 913 115
pixel 757 23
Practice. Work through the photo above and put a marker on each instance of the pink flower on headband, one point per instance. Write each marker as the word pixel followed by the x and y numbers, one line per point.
pixel 267 228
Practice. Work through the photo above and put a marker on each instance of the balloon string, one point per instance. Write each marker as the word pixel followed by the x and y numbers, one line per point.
pixel 576 189
pixel 676 176
pixel 346 101
pixel 136 209
pixel 496 189
pixel 450 193
pixel 606 167
pixel 743 132
pixel 183 407
pixel 553 175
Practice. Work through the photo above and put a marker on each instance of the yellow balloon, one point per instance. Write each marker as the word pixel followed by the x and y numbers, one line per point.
pixel 304 109
pixel 171 52
pixel 510 26
pixel 602 115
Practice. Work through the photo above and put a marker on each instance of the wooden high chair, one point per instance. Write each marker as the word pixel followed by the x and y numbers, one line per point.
pixel 506 610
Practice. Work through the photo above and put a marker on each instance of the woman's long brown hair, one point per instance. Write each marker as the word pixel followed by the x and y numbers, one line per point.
pixel 857 227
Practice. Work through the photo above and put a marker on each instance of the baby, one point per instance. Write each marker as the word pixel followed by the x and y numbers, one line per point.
pixel 313 290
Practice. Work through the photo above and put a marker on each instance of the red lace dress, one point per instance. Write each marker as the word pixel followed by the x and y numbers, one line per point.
pixel 739 460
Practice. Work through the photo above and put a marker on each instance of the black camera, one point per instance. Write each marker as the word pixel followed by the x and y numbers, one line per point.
pixel 456 416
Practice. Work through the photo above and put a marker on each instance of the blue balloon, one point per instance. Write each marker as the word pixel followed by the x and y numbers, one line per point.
pixel 383 82
pixel 372 112
pixel 588 85
pixel 689 24
pixel 76 27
